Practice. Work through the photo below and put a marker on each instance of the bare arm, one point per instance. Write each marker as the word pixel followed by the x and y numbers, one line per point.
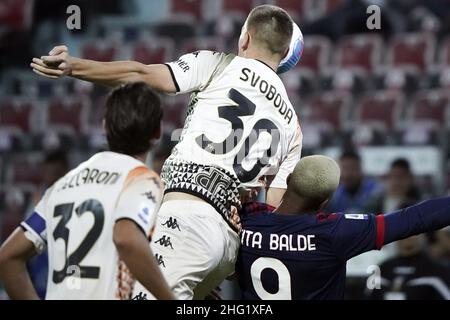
pixel 135 251
pixel 59 64
pixel 14 254
pixel 274 196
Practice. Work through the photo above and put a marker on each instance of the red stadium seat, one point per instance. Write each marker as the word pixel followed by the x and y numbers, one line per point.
pixel 331 5
pixel 100 50
pixel 380 110
pixel 296 8
pixel 17 14
pixel 361 51
pixel 412 51
pixel 68 115
pixel 24 170
pixel 316 52
pixel 328 111
pixel 15 115
pixel 239 7
pixel 191 9
pixel 430 109
pixel 153 51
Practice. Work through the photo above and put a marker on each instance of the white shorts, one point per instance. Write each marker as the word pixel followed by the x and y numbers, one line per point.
pixel 195 248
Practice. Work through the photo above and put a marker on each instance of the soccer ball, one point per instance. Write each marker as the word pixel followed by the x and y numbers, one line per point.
pixel 295 51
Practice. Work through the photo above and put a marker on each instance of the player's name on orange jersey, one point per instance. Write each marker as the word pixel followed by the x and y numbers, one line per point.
pixel 90 176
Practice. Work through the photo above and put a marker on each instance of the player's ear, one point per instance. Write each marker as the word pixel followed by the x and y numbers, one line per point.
pixel 285 53
pixel 246 41
pixel 104 125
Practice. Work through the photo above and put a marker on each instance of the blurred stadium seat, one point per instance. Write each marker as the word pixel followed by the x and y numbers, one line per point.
pixel 362 51
pixel 330 5
pixel 296 8
pixel 430 108
pixel 426 117
pixel 329 111
pixel 15 115
pixel 16 14
pixel 414 51
pixel 67 115
pixel 24 171
pixel 236 8
pixel 186 9
pixel 153 51
pixel 100 50
pixel 380 109
pixel 316 54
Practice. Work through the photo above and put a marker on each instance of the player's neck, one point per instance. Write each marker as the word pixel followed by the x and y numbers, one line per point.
pixel 272 62
pixel 141 157
pixel 290 206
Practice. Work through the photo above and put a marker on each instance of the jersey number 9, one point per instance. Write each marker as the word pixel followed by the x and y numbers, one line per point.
pixel 284 279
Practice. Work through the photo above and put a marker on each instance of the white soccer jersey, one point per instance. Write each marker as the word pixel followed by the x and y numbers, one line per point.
pixel 75 221
pixel 240 128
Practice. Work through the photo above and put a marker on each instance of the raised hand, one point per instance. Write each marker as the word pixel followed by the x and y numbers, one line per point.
pixel 54 66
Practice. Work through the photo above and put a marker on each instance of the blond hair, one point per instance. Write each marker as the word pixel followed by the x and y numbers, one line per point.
pixel 315 179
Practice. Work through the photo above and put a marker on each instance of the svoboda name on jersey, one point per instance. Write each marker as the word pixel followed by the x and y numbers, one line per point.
pixel 269 91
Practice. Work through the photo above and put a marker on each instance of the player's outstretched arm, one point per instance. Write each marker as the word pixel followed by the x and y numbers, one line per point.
pixel 426 216
pixel 14 254
pixel 135 251
pixel 59 63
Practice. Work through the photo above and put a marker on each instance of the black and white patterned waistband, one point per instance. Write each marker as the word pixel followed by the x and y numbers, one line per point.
pixel 215 185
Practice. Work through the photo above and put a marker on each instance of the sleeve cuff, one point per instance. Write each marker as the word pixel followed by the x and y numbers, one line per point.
pixel 173 77
pixel 39 243
pixel 136 223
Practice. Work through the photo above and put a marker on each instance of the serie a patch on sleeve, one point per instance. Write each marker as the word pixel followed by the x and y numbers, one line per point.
pixel 356 216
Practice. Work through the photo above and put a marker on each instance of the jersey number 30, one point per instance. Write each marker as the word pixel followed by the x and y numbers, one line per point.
pixel 233 114
pixel 62 232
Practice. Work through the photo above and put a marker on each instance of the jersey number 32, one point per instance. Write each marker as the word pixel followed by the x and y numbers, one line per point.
pixel 61 231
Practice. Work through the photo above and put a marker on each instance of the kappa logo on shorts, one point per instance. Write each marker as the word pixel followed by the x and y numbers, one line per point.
pixel 149 195
pixel 140 296
pixel 165 242
pixel 160 260
pixel 172 223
